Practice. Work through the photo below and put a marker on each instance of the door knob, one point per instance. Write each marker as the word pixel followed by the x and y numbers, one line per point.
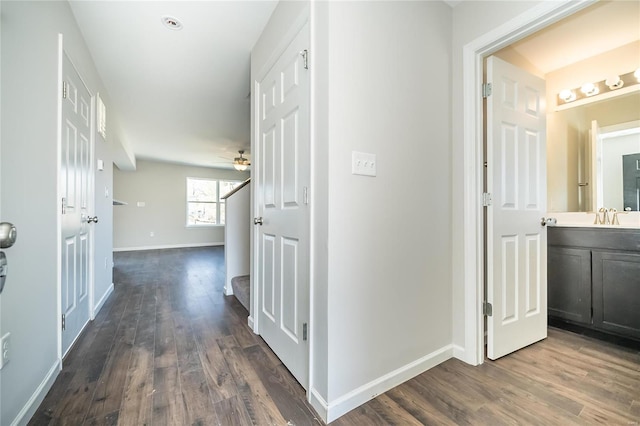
pixel 8 234
pixel 93 219
pixel 258 221
pixel 552 221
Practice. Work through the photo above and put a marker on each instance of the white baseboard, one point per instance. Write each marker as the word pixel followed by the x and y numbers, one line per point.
pixel 168 246
pixel 251 323
pixel 29 409
pixel 319 404
pixel 370 390
pixel 101 302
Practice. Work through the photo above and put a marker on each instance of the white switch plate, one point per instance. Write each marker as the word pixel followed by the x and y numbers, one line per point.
pixel 363 163
pixel 5 349
pixel 141 204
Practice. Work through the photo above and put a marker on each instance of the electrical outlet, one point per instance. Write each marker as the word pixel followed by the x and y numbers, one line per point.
pixel 363 163
pixel 152 234
pixel 5 349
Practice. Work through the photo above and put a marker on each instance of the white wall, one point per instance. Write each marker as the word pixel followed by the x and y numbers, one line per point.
pixel 612 151
pixel 163 188
pixel 29 193
pixel 389 276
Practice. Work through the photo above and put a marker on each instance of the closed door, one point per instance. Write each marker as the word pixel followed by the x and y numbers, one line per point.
pixel 516 235
pixel 76 192
pixel 282 173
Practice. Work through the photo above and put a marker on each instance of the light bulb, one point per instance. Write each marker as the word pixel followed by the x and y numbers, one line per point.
pixel 589 89
pixel 567 95
pixel 637 75
pixel 614 82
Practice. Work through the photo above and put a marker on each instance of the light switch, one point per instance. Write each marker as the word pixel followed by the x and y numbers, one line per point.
pixel 141 204
pixel 363 163
pixel 100 165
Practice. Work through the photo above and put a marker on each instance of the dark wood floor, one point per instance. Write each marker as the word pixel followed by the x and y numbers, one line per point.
pixel 169 348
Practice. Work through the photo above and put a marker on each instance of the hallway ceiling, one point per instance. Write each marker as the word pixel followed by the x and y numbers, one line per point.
pixel 181 96
pixel 597 29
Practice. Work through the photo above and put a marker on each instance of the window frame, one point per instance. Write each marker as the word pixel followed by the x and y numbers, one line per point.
pixel 219 202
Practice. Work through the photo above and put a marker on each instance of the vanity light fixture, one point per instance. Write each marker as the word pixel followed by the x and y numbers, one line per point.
pixel 589 89
pixel 613 82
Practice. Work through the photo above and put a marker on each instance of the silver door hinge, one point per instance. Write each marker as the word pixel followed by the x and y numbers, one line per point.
pixel 305 58
pixel 304 331
pixel 486 90
pixel 64 90
pixel 305 195
pixel 64 205
pixel 64 322
pixel 486 199
pixel 487 309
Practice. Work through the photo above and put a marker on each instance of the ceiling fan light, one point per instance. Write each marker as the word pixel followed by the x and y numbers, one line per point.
pixel 241 167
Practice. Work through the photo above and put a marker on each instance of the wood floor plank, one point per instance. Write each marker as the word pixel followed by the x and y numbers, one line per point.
pixel 392 413
pixel 168 407
pixel 232 412
pixel 259 404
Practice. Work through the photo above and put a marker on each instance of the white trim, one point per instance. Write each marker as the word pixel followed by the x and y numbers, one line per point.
pixel 473 53
pixel 168 246
pixel 101 302
pixel 376 387
pixel 318 403
pixel 32 404
pixel 59 197
pixel 250 324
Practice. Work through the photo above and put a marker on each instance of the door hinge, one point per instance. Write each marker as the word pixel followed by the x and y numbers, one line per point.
pixel 486 90
pixel 64 90
pixel 305 195
pixel 305 58
pixel 64 205
pixel 486 199
pixel 487 309
pixel 304 331
pixel 64 322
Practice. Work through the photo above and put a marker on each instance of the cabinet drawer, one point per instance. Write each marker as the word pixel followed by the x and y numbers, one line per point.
pixel 616 292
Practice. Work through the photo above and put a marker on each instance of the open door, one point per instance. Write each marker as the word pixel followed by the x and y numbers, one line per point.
pixel 516 232
pixel 282 223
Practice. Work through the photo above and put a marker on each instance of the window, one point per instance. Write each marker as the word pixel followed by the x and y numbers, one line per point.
pixel 204 206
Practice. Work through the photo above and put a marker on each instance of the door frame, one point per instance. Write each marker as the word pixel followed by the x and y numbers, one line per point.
pixel 473 55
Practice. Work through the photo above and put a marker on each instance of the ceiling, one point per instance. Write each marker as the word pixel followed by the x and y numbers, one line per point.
pixel 183 96
pixel 597 29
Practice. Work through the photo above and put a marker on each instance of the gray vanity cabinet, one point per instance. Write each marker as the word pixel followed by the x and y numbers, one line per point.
pixel 593 278
pixel 569 284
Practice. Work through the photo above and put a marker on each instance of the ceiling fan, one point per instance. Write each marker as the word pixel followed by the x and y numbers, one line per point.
pixel 241 163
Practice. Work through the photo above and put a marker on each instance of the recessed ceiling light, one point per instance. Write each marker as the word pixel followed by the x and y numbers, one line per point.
pixel 171 22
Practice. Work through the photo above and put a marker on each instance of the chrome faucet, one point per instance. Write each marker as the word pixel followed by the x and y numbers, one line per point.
pixel 602 217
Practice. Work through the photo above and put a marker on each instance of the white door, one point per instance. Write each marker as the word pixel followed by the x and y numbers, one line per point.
pixel 282 179
pixel 75 192
pixel 516 238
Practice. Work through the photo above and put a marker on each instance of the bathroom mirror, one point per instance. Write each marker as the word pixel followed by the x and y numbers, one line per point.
pixel 585 172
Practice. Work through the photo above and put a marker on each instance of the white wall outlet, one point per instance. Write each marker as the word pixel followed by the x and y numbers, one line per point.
pixel 363 163
pixel 5 349
pixel 152 234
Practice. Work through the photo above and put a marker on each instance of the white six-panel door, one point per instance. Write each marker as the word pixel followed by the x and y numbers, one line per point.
pixel 282 181
pixel 516 238
pixel 76 192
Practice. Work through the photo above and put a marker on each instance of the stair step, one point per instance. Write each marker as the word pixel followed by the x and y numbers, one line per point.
pixel 241 289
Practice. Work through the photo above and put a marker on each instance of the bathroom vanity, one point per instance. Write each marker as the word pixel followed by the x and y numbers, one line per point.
pixel 593 278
